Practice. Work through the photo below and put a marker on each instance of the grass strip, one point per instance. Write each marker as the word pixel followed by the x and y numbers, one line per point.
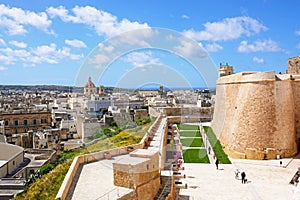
pixel 195 156
pixel 216 145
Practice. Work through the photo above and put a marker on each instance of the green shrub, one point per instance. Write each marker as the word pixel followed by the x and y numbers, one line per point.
pixel 142 121
pixel 46 168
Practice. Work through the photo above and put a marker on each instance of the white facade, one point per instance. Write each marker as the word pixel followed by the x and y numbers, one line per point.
pixel 98 102
pixel 69 124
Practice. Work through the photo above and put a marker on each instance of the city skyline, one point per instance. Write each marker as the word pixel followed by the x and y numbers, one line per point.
pixel 49 42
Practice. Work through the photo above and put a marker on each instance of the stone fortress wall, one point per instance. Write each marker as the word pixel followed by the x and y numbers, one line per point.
pixel 257 114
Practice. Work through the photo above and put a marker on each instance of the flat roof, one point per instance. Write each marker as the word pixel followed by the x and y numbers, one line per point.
pixel 143 153
pixel 131 160
pixel 10 151
pixel 2 162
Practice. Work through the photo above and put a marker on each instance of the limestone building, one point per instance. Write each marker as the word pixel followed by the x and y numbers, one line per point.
pixel 257 114
pixel 225 70
pixel 89 88
pixel 293 65
pixel 22 122
pixel 11 159
pixel 96 100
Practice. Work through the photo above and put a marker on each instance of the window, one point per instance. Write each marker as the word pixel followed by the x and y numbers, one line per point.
pixel 6 122
pixel 16 122
pixel 25 122
pixel 34 121
pixel 13 162
pixel 43 121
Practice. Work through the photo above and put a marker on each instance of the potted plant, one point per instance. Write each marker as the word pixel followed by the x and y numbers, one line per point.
pixel 107 155
pixel 130 149
pixel 150 136
pixel 147 142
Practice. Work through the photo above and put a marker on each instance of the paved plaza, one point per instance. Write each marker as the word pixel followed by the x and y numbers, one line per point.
pixel 266 180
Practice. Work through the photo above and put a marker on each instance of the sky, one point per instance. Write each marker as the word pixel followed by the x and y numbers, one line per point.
pixel 135 43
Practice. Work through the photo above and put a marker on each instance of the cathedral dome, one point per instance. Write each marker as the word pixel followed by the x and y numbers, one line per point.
pixel 89 84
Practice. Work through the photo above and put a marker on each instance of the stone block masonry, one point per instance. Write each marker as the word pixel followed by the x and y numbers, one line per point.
pixel 139 171
pixel 256 115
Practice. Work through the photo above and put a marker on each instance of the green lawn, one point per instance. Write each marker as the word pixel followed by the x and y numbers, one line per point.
pixel 190 133
pixel 192 142
pixel 187 127
pixel 217 147
pixel 195 156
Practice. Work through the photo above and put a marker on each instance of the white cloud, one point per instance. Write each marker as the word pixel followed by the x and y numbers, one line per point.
pixel 185 17
pixel 2 68
pixel 297 32
pixel 214 47
pixel 102 22
pixel 76 43
pixel 258 60
pixel 50 54
pixel 2 42
pixel 227 29
pixel 41 54
pixel 141 59
pixel 21 45
pixel 99 60
pixel 14 19
pixel 260 46
pixel 107 49
pixel 188 49
pixel 10 56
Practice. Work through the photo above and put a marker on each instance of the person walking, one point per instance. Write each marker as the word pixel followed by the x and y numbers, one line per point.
pixel 296 179
pixel 209 150
pixel 217 163
pixel 243 174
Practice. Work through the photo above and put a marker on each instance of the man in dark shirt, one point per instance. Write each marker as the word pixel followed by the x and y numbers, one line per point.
pixel 243 174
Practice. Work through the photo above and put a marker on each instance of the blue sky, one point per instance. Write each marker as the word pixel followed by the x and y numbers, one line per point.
pixel 50 42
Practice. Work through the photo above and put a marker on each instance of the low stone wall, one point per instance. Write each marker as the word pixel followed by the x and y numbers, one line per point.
pixel 88 158
pixel 254 154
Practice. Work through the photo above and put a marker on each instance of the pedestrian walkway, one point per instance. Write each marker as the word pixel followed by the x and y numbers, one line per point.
pixel 265 182
pixel 96 181
pixel 267 179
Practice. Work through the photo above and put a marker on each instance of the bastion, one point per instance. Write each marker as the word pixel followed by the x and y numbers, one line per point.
pixel 257 114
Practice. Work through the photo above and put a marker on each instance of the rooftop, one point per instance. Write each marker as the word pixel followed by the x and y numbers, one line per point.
pixel 10 151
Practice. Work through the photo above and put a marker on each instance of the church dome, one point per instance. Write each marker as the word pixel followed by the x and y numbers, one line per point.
pixel 89 84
